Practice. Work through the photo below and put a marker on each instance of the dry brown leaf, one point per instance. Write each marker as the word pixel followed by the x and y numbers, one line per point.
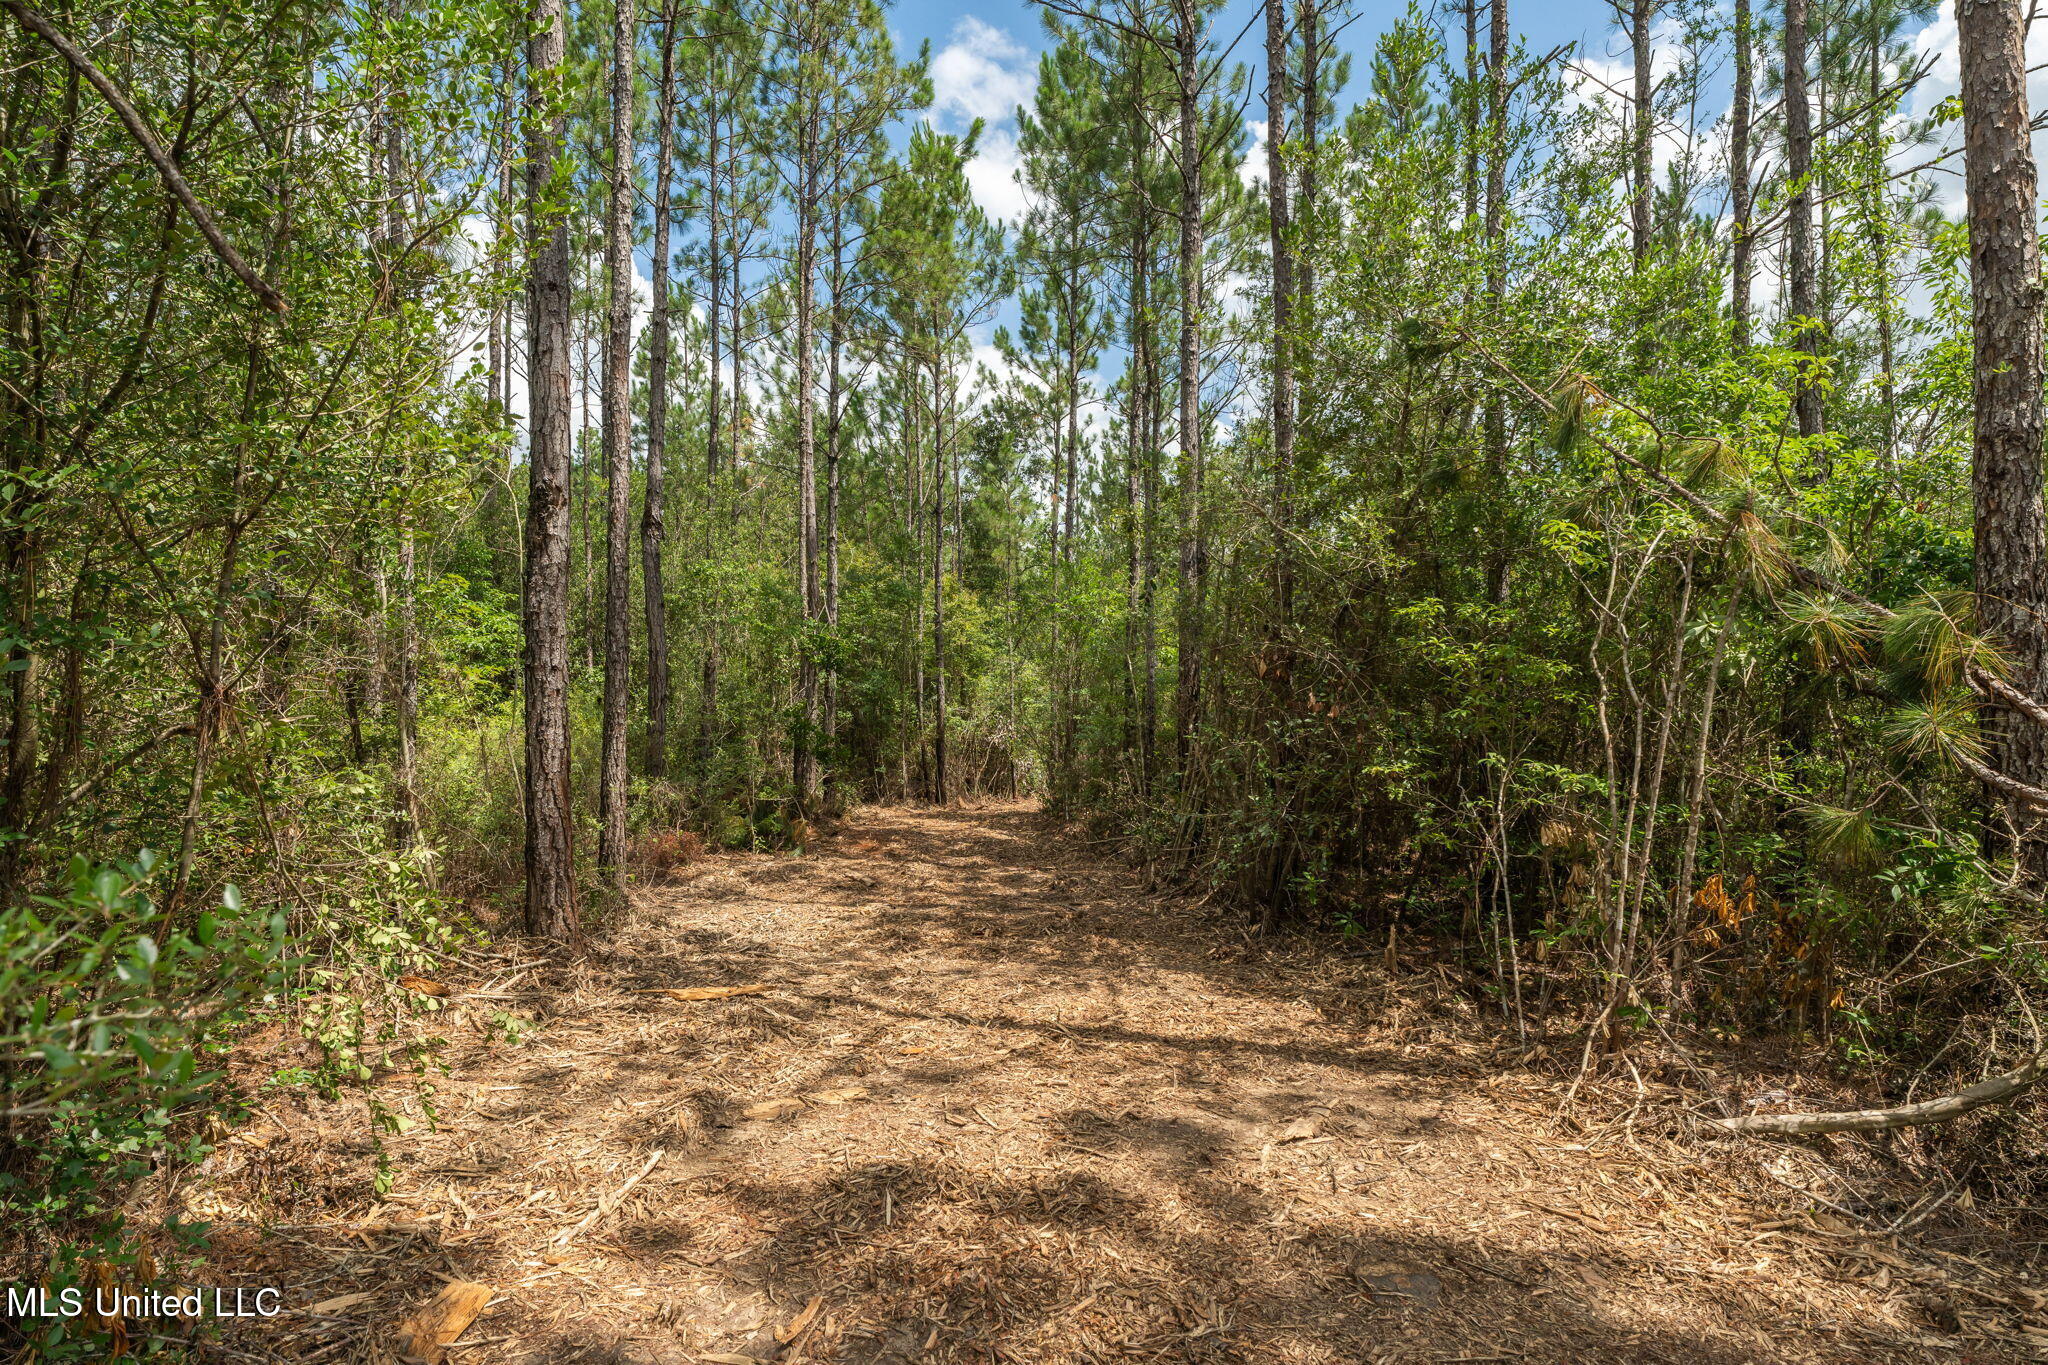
pixel 704 992
pixel 422 985
pixel 426 1334
pixel 341 1301
pixel 779 1108
pixel 844 1096
pixel 802 1320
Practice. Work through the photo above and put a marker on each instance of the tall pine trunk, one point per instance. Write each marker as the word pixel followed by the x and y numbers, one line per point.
pixel 653 523
pixel 1641 130
pixel 707 706
pixel 405 766
pixel 1194 565
pixel 550 858
pixel 804 752
pixel 2005 298
pixel 939 792
pixel 1281 397
pixel 618 452
pixel 1739 193
pixel 1494 420
pixel 1800 284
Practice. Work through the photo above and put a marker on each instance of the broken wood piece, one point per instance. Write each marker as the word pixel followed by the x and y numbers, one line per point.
pixel 846 1095
pixel 797 1324
pixel 703 992
pixel 427 1334
pixel 610 1201
pixel 779 1108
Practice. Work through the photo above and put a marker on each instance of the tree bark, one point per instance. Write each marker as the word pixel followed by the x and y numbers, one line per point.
pixel 406 690
pixel 707 706
pixel 1739 196
pixel 939 793
pixel 1494 420
pixel 1279 231
pixel 804 750
pixel 835 344
pixel 1801 301
pixel 618 451
pixel 2005 297
pixel 1309 15
pixel 1194 566
pixel 653 523
pixel 1641 164
pixel 550 857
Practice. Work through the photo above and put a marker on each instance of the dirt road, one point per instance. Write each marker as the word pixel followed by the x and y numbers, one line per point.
pixel 998 1104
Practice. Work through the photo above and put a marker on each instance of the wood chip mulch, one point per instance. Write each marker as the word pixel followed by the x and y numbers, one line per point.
pixel 996 1102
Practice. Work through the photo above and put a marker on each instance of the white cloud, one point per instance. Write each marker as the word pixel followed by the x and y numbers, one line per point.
pixel 1944 79
pixel 992 176
pixel 1252 170
pixel 983 73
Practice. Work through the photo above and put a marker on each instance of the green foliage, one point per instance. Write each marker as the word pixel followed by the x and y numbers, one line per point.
pixel 112 1012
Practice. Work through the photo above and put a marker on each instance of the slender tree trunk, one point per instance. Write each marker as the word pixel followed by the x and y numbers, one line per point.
pixel 586 454
pixel 1194 566
pixel 1309 16
pixel 939 789
pixel 1494 419
pixel 1739 196
pixel 1279 233
pixel 618 451
pixel 914 466
pixel 550 859
pixel 835 342
pixel 1138 602
pixel 1470 110
pixel 2005 297
pixel 1799 265
pixel 1880 252
pixel 1696 791
pixel 1641 166
pixel 707 740
pixel 653 523
pixel 406 666
pixel 1154 446
pixel 804 752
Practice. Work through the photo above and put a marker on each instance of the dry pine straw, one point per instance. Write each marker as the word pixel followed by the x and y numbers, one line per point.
pixel 1014 1108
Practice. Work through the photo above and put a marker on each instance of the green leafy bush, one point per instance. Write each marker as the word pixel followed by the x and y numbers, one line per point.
pixel 108 1003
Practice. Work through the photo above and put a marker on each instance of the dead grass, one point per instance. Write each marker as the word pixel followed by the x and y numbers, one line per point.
pixel 1032 1113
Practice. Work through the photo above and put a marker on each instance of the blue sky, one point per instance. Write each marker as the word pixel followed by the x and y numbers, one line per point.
pixel 985 58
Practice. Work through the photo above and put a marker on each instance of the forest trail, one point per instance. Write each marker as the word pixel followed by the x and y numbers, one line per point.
pixel 1035 1114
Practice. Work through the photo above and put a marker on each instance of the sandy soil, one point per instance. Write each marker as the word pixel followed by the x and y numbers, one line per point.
pixel 997 1103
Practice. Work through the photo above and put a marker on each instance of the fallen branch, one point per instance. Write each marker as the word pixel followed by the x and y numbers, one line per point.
pixel 1996 1090
pixel 609 1202
pixel 131 118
